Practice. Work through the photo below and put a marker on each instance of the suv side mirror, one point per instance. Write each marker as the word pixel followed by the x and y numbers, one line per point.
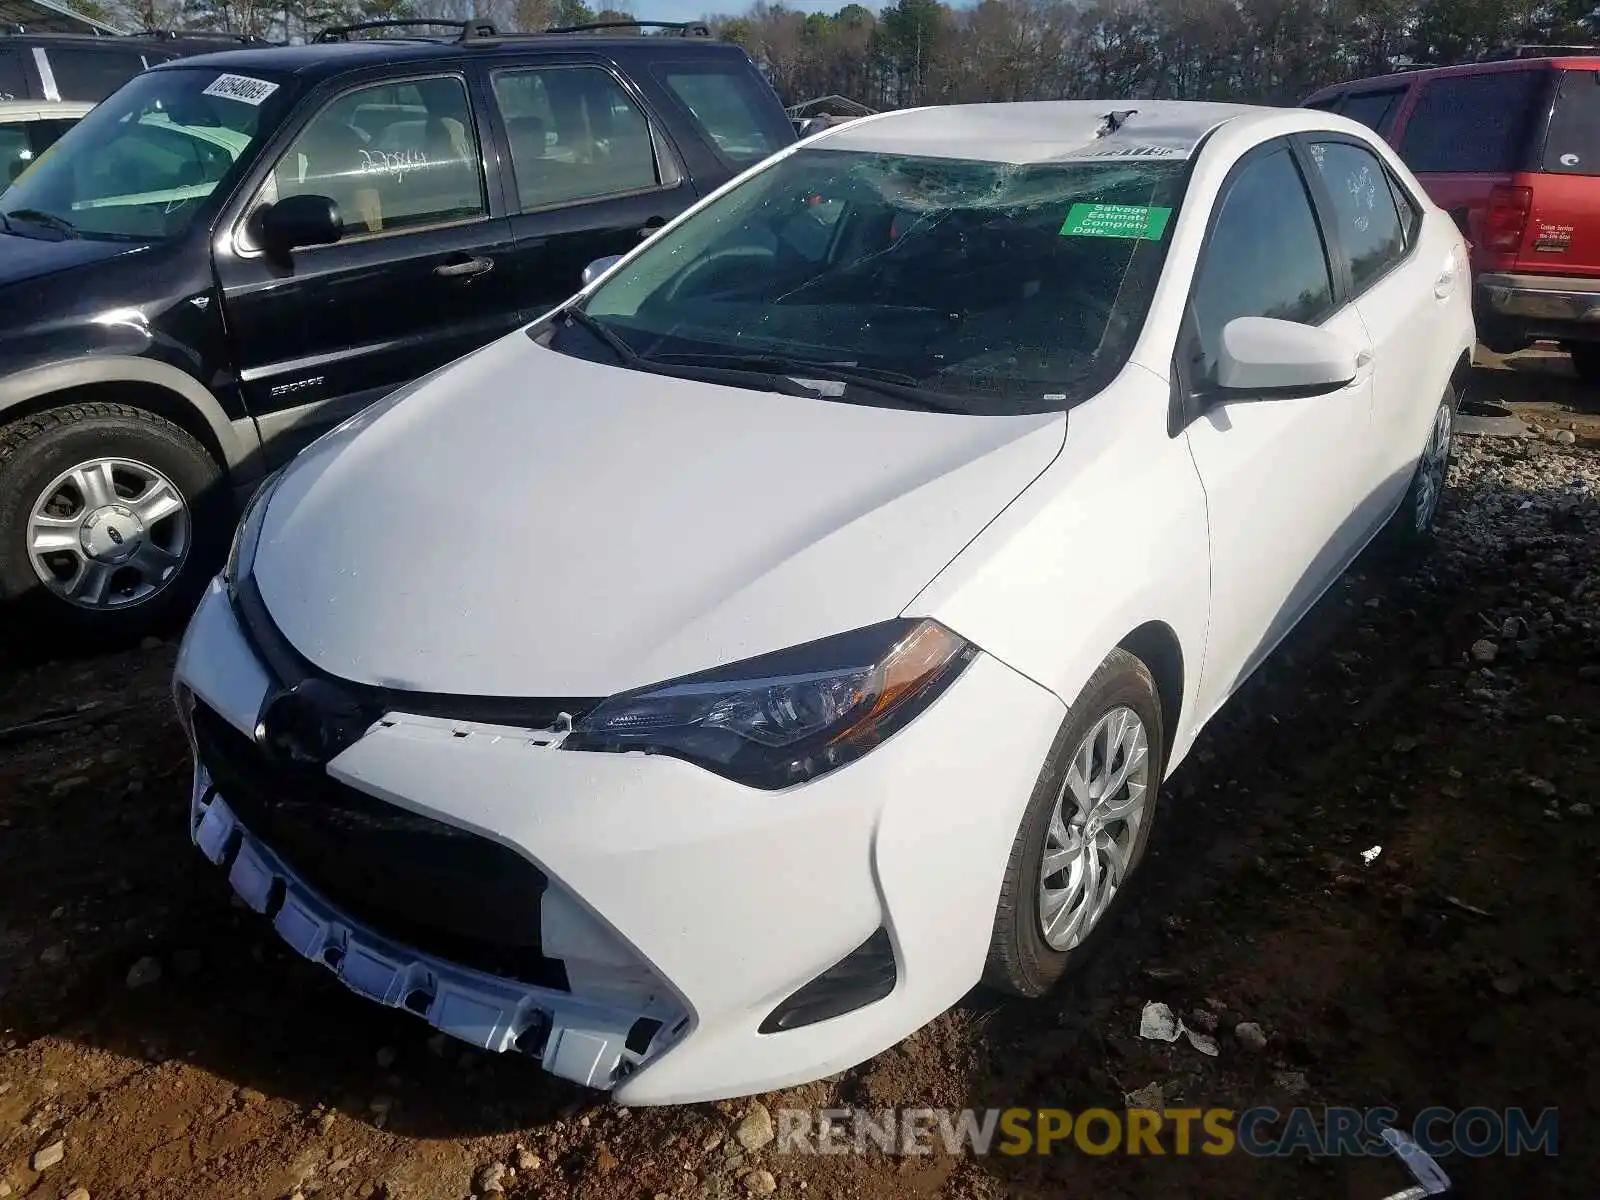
pixel 599 267
pixel 297 221
pixel 1260 356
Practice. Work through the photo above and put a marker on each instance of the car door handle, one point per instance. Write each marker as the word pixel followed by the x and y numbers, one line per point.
pixel 460 270
pixel 651 227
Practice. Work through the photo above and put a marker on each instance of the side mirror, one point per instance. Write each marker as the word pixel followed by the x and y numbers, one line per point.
pixel 599 267
pixel 297 221
pixel 1268 358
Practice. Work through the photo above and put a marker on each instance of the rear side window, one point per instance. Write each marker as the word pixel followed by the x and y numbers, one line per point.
pixel 1370 233
pixel 1375 110
pixel 13 79
pixel 91 74
pixel 1572 146
pixel 743 124
pixel 1471 123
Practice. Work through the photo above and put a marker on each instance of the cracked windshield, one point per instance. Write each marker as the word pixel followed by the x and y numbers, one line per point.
pixel 145 162
pixel 985 287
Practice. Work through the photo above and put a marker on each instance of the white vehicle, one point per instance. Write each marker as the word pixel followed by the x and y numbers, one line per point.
pixel 30 127
pixel 705 687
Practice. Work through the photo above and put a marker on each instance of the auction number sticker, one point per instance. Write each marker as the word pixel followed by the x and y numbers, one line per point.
pixel 1116 221
pixel 241 88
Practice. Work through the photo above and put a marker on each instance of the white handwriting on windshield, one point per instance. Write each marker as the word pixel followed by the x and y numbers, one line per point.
pixel 394 163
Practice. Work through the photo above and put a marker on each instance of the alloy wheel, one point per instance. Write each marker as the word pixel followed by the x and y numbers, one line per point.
pixel 108 533
pixel 1094 827
pixel 1432 468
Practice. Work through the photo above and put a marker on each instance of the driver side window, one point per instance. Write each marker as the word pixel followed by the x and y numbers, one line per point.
pixel 1265 256
pixel 393 157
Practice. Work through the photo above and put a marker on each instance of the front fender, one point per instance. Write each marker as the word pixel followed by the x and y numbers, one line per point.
pixel 1112 536
pixel 240 446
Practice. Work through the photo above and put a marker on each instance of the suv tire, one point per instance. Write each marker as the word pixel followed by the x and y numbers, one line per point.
pixel 111 518
pixel 1585 360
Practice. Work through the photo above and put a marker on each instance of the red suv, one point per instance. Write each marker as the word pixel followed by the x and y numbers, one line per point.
pixel 1511 149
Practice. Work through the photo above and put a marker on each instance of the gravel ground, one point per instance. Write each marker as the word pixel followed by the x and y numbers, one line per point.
pixel 157 1044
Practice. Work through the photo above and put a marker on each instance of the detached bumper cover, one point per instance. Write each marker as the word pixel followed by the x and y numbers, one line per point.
pixel 587 1044
pixel 673 895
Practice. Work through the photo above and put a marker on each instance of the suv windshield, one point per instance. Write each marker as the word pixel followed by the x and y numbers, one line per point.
pixel 1000 288
pixel 144 162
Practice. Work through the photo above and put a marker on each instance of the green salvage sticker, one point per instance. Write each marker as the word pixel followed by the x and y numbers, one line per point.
pixel 1116 221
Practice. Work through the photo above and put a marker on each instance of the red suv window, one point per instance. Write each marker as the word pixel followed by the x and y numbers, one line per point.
pixel 1472 123
pixel 1572 146
pixel 1375 110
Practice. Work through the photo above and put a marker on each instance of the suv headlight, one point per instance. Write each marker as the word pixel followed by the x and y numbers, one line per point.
pixel 787 717
pixel 247 534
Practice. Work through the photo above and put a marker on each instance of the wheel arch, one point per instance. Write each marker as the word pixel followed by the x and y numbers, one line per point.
pixel 1156 644
pixel 141 383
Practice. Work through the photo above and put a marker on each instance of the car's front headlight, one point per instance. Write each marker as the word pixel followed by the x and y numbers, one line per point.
pixel 787 717
pixel 247 534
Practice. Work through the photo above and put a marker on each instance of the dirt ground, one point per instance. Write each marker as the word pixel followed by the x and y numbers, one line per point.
pixel 1449 716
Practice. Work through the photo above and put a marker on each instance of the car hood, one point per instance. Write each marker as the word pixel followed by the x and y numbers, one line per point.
pixel 530 524
pixel 23 258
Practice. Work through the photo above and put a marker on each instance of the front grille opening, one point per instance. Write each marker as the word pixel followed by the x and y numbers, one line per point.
pixel 865 975
pixel 419 1001
pixel 640 1035
pixel 532 1039
pixel 432 886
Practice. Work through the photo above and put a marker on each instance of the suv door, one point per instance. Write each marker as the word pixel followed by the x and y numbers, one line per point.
pixel 1283 477
pixel 420 277
pixel 590 173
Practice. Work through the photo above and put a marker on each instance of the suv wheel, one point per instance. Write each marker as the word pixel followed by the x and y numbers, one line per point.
pixel 108 517
pixel 1585 360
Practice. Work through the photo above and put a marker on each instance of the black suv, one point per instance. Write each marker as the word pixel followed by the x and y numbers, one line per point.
pixel 236 251
pixel 89 67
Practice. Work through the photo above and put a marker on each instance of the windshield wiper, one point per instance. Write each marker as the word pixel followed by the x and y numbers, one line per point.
pixel 625 353
pixel 891 384
pixel 709 372
pixel 39 217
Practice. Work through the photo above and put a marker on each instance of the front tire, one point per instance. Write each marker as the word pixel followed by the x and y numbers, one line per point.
pixel 111 518
pixel 1084 831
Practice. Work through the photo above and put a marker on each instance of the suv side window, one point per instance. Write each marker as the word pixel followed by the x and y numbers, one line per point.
pixel 1572 146
pixel 575 135
pixel 1375 110
pixel 1471 123
pixel 1265 256
pixel 91 74
pixel 394 157
pixel 722 104
pixel 1371 236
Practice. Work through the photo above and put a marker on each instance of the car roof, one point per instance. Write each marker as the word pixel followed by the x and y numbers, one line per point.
pixel 26 110
pixel 323 59
pixel 1398 79
pixel 1043 130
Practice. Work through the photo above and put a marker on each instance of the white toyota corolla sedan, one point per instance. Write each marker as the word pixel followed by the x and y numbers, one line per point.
pixel 705 687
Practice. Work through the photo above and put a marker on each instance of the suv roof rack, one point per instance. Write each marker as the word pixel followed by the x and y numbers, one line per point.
pixel 468 29
pixel 196 35
pixel 680 28
pixel 1536 51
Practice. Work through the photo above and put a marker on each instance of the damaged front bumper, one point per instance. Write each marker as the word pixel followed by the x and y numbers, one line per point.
pixel 631 921
pixel 590 1044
